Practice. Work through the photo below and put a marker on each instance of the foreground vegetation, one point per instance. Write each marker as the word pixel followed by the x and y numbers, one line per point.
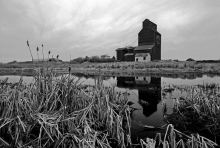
pixel 60 112
pixel 197 110
pixel 56 112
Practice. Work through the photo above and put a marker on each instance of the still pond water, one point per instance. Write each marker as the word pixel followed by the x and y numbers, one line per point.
pixel 145 93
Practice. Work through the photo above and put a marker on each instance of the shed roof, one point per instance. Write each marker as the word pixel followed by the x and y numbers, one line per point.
pixel 129 54
pixel 120 49
pixel 144 47
pixel 129 47
pixel 142 54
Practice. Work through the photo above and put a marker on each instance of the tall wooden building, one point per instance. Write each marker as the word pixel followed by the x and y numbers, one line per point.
pixel 149 41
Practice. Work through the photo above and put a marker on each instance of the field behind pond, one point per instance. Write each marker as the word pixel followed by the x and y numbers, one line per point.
pixel 147 67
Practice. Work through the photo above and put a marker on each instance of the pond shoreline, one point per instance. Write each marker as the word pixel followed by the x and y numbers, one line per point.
pixel 157 68
pixel 156 72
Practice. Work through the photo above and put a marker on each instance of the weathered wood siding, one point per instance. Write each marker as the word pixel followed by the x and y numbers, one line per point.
pixel 129 58
pixel 156 52
pixel 120 55
pixel 146 37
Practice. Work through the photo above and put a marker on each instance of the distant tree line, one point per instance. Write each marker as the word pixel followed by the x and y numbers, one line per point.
pixel 93 59
pixel 208 61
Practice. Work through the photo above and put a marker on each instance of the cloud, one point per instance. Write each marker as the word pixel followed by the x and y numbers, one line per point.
pixel 93 27
pixel 173 19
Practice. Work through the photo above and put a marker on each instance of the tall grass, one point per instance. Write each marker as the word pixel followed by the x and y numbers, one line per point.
pixel 176 139
pixel 54 112
pixel 59 112
pixel 198 111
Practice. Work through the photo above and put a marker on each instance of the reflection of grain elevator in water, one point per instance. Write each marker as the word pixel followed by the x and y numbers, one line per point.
pixel 149 91
pixel 149 45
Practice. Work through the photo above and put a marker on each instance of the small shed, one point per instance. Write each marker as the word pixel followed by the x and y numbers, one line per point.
pixel 142 57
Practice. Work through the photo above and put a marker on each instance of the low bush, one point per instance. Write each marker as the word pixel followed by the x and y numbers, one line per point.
pixel 158 65
pixel 190 64
pixel 173 65
pixel 198 66
pixel 181 65
pixel 152 64
pixel 147 65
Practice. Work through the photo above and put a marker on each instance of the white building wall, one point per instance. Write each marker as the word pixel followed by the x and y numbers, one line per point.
pixel 141 59
pixel 146 79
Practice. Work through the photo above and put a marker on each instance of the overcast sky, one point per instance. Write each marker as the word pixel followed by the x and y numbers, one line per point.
pixel 189 28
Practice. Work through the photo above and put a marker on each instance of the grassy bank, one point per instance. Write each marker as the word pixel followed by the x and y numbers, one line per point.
pixel 118 68
pixel 184 65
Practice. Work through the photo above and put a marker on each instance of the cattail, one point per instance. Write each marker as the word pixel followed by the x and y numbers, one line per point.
pixel 48 58
pixel 43 54
pixel 43 51
pixel 30 52
pixel 57 56
pixel 27 43
pixel 69 69
pixel 38 55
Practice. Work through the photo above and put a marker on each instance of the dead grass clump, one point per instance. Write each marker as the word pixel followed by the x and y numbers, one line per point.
pixel 163 65
pixel 139 66
pixel 173 65
pixel 58 111
pixel 131 66
pixel 166 65
pixel 152 64
pixel 158 65
pixel 181 65
pixel 198 66
pixel 147 65
pixel 190 64
pixel 174 139
pixel 125 66
pixel 198 111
